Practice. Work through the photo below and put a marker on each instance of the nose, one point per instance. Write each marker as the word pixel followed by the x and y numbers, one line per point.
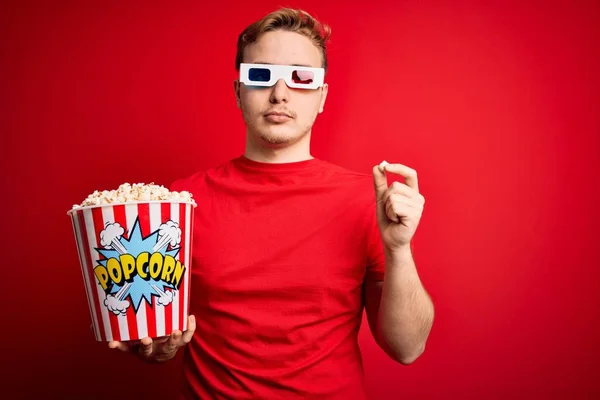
pixel 280 93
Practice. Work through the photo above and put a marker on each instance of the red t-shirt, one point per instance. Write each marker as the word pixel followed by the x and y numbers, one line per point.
pixel 280 254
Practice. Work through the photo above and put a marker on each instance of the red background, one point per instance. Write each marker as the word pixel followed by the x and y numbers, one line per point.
pixel 496 106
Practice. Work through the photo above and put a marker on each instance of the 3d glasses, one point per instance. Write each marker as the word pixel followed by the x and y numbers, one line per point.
pixel 265 75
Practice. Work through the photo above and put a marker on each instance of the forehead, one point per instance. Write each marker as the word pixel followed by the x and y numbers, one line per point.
pixel 285 48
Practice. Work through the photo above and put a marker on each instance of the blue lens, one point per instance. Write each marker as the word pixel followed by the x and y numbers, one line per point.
pixel 259 74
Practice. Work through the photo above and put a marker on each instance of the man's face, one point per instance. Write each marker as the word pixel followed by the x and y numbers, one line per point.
pixel 301 106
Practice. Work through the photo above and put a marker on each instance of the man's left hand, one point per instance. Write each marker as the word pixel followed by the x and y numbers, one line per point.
pixel 399 206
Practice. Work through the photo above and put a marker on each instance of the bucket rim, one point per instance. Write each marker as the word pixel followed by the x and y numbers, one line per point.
pixel 124 203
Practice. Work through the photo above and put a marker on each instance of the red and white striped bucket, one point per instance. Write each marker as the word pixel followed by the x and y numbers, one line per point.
pixel 135 258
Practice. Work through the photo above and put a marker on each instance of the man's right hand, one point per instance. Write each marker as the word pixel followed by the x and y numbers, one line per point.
pixel 161 349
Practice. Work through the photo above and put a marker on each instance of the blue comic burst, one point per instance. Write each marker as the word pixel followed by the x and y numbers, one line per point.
pixel 135 245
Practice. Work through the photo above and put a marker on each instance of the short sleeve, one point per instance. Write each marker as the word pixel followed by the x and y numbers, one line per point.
pixel 189 184
pixel 375 254
pixel 176 185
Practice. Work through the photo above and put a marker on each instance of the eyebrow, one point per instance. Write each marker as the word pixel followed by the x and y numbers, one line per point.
pixel 294 65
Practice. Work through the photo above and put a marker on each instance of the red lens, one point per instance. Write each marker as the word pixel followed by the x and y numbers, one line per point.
pixel 303 77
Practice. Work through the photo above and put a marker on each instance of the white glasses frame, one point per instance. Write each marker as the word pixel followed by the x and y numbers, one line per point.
pixel 282 72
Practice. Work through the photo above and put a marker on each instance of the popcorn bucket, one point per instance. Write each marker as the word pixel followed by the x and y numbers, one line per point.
pixel 135 259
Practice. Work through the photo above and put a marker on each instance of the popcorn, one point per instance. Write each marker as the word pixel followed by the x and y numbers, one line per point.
pixel 136 192
pixel 383 165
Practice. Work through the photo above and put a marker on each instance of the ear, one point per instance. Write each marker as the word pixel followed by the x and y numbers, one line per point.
pixel 324 91
pixel 236 88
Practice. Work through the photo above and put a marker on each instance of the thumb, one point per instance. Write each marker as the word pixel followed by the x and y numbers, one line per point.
pixel 380 182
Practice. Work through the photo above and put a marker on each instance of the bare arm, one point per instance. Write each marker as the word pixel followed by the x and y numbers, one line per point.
pixel 399 310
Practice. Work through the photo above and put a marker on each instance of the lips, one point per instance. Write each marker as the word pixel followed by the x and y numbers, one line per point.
pixel 278 118
pixel 278 114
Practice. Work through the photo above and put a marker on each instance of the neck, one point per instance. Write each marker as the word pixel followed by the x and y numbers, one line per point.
pixel 285 153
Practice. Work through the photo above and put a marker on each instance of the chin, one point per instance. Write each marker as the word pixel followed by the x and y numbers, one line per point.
pixel 277 140
pixel 280 137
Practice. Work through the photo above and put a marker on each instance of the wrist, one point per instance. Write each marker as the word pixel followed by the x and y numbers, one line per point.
pixel 157 359
pixel 163 357
pixel 398 255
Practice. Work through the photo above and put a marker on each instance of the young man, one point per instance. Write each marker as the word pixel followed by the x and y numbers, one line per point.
pixel 288 249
